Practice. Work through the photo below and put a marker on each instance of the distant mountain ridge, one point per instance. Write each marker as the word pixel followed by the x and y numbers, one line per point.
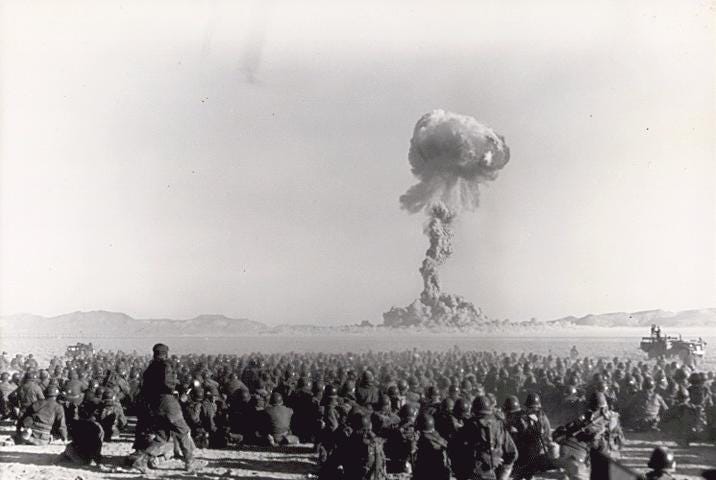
pixel 686 318
pixel 101 323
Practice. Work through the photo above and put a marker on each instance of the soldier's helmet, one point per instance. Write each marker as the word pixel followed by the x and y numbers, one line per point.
pixel 408 411
pixel 330 391
pixel 482 404
pixel 533 402
pixel 393 391
pixel 511 404
pixel 596 401
pixel 661 459
pixel 680 375
pixel 197 394
pixel 276 398
pixel 426 422
pixel 461 408
pixel 432 393
pixel 32 375
pixel 52 391
pixel 108 396
pixel 696 379
pixel 647 384
pixel 73 392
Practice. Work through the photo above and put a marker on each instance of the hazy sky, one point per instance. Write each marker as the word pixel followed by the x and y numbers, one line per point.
pixel 167 159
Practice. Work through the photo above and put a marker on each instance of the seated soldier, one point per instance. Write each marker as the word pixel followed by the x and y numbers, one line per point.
pixel 43 419
pixel 357 457
pixel 111 416
pixel 276 428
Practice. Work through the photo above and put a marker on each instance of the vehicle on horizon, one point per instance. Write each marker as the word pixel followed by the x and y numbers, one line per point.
pixel 80 350
pixel 658 345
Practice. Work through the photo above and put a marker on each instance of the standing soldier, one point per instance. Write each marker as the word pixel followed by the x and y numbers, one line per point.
pixel 401 443
pixel 161 417
pixel 533 439
pixel 431 460
pixel 482 450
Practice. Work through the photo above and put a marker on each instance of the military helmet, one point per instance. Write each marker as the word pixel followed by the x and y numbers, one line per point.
pixel 696 378
pixel 511 404
pixel 330 391
pixel 426 422
pixel 661 459
pixel 597 400
pixel 648 383
pixel 482 404
pixel 533 401
pixel 461 409
pixel 52 391
pixel 197 394
pixel 407 411
pixel 276 398
pixel 108 395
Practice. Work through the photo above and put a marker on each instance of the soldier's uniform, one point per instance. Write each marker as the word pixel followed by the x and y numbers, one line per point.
pixel 646 408
pixel 532 435
pixel 401 444
pixel 111 416
pixel 482 450
pixel 28 393
pixel 199 414
pixel 43 419
pixel 684 420
pixel 160 419
pixel 6 390
pixel 360 455
pixel 431 459
pixel 276 428
pixel 578 438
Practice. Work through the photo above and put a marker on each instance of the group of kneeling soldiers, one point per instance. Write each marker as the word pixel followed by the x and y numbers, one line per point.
pixel 363 429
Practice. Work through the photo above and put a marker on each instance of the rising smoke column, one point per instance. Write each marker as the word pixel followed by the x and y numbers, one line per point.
pixel 451 155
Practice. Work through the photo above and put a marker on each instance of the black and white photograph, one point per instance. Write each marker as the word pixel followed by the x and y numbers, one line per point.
pixel 358 240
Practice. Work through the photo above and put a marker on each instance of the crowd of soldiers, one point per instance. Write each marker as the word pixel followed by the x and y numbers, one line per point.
pixel 433 415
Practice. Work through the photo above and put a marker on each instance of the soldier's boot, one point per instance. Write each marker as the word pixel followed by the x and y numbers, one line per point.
pixel 140 463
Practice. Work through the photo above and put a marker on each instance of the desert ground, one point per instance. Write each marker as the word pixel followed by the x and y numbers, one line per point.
pixel 40 463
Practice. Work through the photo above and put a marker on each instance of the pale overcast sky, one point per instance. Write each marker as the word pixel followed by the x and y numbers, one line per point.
pixel 167 159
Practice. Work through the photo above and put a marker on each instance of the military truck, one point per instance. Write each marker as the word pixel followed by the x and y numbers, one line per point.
pixel 80 350
pixel 659 345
